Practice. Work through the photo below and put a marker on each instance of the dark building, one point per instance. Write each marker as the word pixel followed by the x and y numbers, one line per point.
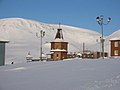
pixel 2 52
pixel 115 47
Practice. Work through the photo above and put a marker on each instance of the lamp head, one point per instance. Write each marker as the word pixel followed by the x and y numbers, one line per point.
pixel 109 19
pixel 44 33
pixel 98 19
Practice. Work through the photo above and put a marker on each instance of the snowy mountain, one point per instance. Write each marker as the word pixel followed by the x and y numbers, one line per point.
pixel 22 36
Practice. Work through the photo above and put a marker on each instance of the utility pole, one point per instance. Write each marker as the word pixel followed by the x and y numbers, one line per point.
pixel 42 34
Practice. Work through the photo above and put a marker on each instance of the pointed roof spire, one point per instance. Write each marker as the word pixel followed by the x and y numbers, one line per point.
pixel 59 34
pixel 59 24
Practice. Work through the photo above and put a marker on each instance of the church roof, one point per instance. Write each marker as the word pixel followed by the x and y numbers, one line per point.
pixel 58 50
pixel 59 34
pixel 59 40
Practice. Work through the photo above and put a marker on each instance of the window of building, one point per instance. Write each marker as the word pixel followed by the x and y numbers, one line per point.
pixel 116 52
pixel 116 44
pixel 57 55
pixel 91 55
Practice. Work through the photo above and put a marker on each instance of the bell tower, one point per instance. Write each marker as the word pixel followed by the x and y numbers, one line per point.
pixel 59 47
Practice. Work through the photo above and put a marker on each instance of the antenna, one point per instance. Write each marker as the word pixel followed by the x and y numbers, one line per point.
pixel 59 24
pixel 83 47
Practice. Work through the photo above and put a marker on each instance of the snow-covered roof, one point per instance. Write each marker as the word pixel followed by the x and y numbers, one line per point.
pixel 28 56
pixel 43 55
pixel 59 50
pixel 3 40
pixel 79 54
pixel 59 40
pixel 115 38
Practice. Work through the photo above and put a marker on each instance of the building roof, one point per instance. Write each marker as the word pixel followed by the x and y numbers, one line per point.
pixel 58 50
pixel 115 38
pixel 3 40
pixel 59 40
pixel 59 34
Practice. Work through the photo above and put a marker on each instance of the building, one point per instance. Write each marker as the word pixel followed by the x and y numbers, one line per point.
pixel 2 51
pixel 29 57
pixel 115 47
pixel 59 47
pixel 93 55
pixel 74 55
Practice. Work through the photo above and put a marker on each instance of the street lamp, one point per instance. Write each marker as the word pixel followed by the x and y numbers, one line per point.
pixel 100 21
pixel 42 34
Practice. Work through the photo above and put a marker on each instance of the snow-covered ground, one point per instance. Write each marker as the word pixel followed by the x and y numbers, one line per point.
pixel 77 74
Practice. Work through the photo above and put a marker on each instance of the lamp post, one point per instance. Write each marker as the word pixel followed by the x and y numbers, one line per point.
pixel 42 34
pixel 100 21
